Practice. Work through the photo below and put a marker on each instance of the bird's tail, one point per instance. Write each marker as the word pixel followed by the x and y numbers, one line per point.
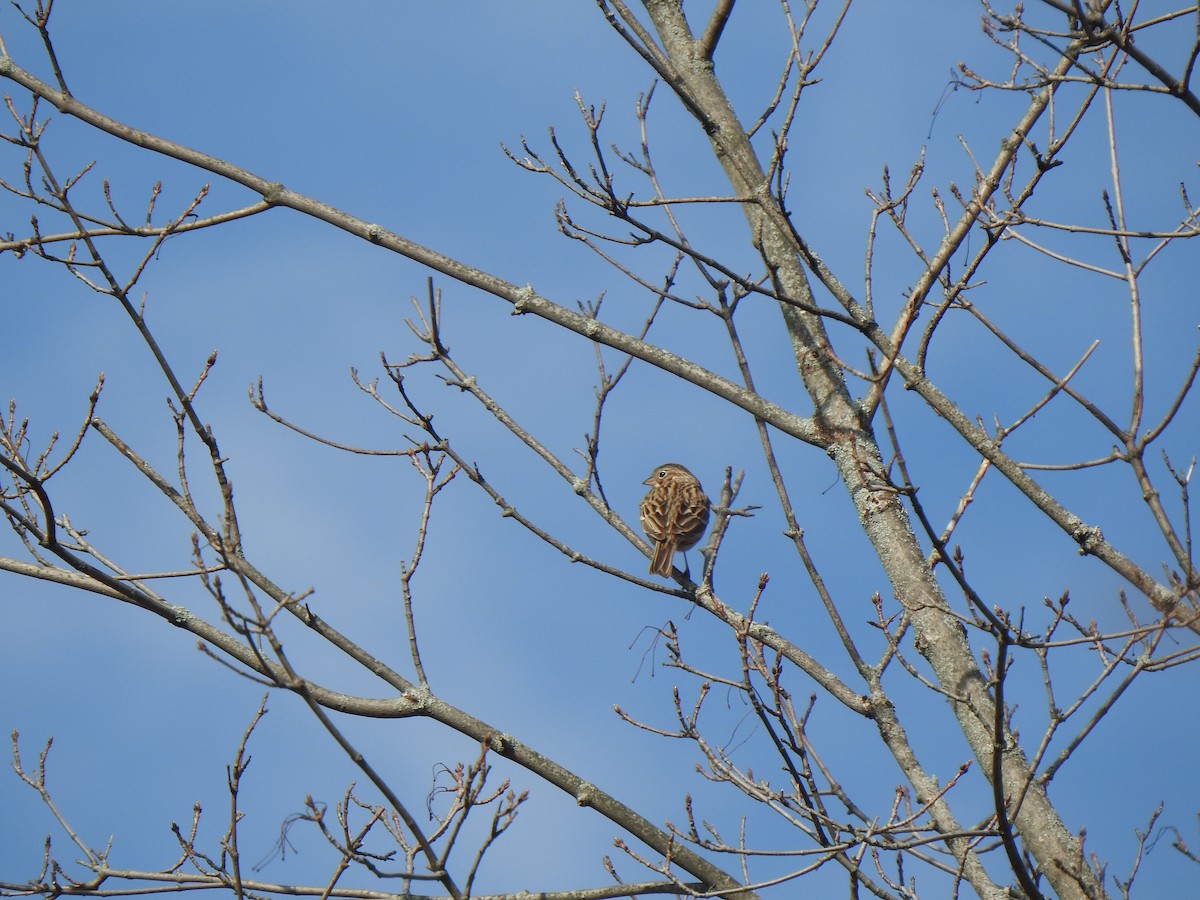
pixel 664 553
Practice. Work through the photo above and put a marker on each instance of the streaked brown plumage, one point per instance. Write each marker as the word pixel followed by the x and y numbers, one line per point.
pixel 674 514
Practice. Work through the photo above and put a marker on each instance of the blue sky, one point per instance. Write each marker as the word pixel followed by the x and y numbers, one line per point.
pixel 397 113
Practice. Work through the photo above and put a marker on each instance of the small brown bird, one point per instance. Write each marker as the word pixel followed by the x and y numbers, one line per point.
pixel 674 515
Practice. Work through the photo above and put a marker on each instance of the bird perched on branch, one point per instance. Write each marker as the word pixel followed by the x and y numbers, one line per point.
pixel 674 515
